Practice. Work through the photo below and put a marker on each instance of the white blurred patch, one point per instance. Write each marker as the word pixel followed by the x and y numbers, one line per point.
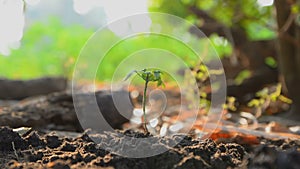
pixel 138 112
pixel 32 2
pixel 12 24
pixel 116 9
pixel 163 130
pixel 176 127
pixel 12 18
pixel 153 123
pixel 265 2
pixel 84 6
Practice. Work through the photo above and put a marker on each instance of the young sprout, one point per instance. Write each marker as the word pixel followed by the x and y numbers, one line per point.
pixel 148 75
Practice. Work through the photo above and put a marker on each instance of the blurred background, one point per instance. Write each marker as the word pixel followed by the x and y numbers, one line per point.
pixel 255 39
pixel 41 38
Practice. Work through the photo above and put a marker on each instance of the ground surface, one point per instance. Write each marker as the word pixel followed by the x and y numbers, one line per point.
pixel 36 150
pixel 57 141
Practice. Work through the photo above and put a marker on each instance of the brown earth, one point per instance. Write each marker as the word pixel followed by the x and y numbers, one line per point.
pixel 69 147
pixel 38 150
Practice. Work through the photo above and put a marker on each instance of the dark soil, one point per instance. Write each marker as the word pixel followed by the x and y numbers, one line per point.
pixel 37 150
pixel 51 151
pixel 70 147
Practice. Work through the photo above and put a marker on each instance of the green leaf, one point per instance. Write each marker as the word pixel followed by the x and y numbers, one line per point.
pixel 270 61
pixel 130 74
pixel 157 74
pixel 243 75
pixel 254 103
pixel 295 8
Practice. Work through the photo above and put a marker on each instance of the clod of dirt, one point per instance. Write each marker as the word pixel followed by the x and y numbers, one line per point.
pixel 230 154
pixel 34 140
pixel 68 147
pixel 88 157
pixel 53 141
pixel 58 165
pixel 271 156
pixel 131 133
pixel 8 139
pixel 35 156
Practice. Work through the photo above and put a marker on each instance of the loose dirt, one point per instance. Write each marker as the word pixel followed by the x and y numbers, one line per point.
pixel 38 150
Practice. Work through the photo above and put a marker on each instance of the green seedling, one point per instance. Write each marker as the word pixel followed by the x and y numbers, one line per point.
pixel 148 75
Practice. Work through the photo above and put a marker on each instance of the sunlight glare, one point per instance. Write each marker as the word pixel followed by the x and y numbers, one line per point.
pixel 84 6
pixel 12 24
pixel 265 2
pixel 116 9
pixel 32 2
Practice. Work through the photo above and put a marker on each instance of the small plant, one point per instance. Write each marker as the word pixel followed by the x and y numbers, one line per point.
pixel 268 97
pixel 148 75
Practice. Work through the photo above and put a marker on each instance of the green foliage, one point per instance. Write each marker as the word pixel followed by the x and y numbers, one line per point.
pixel 46 49
pixel 270 61
pixel 131 45
pixel 51 48
pixel 176 7
pixel 222 46
pixel 295 8
pixel 243 75
pixel 258 31
pixel 265 96
pixel 152 75
pixel 230 104
pixel 246 14
pixel 148 75
pixel 201 73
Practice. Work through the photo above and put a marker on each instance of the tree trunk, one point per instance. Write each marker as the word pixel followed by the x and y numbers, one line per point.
pixel 289 53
